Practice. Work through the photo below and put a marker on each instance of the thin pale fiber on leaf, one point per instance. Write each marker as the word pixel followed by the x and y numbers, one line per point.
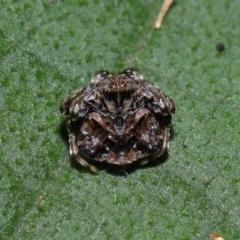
pixel 165 7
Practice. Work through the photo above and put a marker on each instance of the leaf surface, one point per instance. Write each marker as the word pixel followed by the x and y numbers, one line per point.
pixel 50 48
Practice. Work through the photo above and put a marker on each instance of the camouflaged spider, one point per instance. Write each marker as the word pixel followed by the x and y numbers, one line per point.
pixel 118 119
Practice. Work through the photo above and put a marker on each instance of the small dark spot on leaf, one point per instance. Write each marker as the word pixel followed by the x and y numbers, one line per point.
pixel 220 47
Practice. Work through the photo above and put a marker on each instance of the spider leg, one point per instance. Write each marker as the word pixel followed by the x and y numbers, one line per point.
pixel 73 149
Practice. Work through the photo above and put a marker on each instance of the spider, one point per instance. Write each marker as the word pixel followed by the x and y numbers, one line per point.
pixel 119 119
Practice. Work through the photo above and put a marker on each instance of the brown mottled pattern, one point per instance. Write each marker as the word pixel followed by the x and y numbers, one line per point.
pixel 118 118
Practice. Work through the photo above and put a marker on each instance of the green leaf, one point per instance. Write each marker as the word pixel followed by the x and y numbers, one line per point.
pixel 50 48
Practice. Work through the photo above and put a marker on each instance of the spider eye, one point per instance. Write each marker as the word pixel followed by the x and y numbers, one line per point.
pixel 102 74
pixel 131 72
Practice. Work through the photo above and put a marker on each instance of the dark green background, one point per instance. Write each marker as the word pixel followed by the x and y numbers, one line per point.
pixel 48 49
